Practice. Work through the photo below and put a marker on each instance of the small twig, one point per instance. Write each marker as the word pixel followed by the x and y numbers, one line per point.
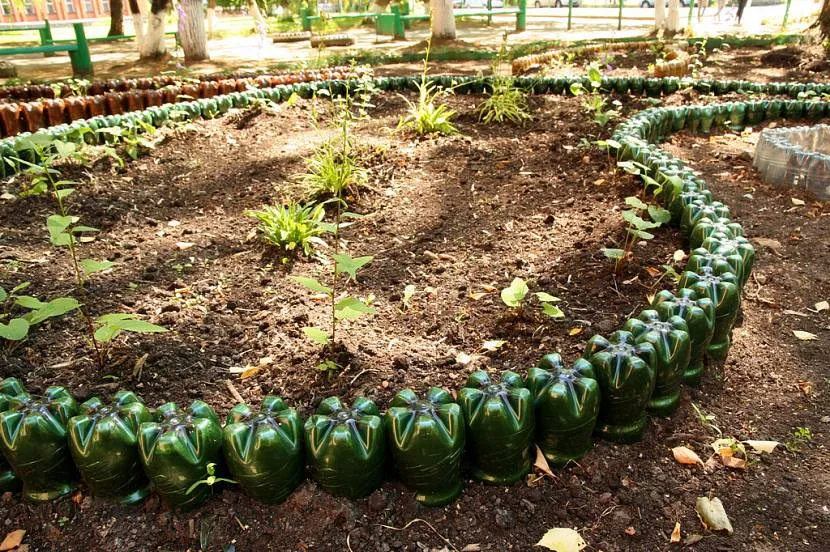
pixel 233 391
pixel 445 539
pixel 360 374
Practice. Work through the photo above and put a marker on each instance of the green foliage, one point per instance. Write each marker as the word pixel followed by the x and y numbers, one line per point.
pixel 516 293
pixel 65 232
pixel 595 104
pixel 641 217
pixel 706 420
pixel 15 324
pixel 800 436
pixel 109 326
pixel 427 116
pixel 333 170
pixel 291 227
pixel 506 102
pixel 210 479
pixel 343 306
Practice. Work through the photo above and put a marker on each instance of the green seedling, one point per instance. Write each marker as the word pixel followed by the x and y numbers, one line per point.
pixel 210 480
pixel 292 227
pixel 706 420
pixel 427 116
pixel 516 294
pixel 66 232
pixel 800 437
pixel 506 102
pixel 640 218
pixel 19 313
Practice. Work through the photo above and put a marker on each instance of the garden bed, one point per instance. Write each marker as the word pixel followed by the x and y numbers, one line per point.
pixel 456 217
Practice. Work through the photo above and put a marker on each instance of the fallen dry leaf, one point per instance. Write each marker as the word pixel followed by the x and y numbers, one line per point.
pixel 679 255
pixel 805 336
pixel 13 539
pixel 675 535
pixel 762 446
pixel 797 201
pixel 476 296
pixel 475 547
pixel 630 531
pixel 685 455
pixel 575 331
pixel 772 244
pixel 734 462
pixel 184 245
pixel 463 358
pixel 489 288
pixel 541 463
pixel 822 306
pixel 805 386
pixel 493 344
pixel 653 272
pixel 712 515
pixel 562 539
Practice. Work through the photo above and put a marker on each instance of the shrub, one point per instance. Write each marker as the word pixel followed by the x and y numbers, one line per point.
pixel 291 226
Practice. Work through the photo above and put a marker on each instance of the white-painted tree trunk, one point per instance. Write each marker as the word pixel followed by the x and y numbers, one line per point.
pixel 211 17
pixel 442 20
pixel 256 13
pixel 659 15
pixel 673 22
pixel 192 31
pixel 137 9
pixel 153 45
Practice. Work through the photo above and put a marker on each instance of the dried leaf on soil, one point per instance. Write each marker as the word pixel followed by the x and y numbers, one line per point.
pixel 493 344
pixel 471 548
pixel 675 534
pixel 712 515
pixel 561 539
pixel 773 244
pixel 797 201
pixel 575 331
pixel 806 387
pixel 805 336
pixel 685 455
pixel 679 255
pixel 13 539
pixel 630 531
pixel 762 446
pixel 541 463
pixel 822 306
pixel 734 462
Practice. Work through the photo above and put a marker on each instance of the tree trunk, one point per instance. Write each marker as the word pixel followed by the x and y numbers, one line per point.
pixel 673 21
pixel 153 45
pixel 192 31
pixel 211 17
pixel 659 15
pixel 116 18
pixel 259 20
pixel 442 21
pixel 137 11
pixel 824 19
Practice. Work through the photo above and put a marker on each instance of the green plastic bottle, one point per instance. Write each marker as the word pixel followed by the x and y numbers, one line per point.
pixel 264 449
pixel 626 376
pixel 346 447
pixel 426 441
pixel 176 450
pixel 706 227
pixel 499 424
pixel 672 347
pixel 723 244
pixel 566 400
pixel 103 441
pixel 699 314
pixel 9 387
pixel 698 209
pixel 719 258
pixel 33 440
pixel 725 292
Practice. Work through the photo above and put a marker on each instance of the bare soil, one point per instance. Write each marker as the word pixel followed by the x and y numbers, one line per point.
pixel 458 217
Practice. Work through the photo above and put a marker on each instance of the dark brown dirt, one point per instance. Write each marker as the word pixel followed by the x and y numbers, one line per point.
pixel 457 217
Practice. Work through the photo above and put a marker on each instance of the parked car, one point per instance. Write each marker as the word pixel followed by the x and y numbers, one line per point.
pixel 554 3
pixel 650 3
pixel 477 4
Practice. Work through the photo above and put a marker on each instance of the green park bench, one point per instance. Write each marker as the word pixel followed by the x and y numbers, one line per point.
pixel 77 49
pixel 307 18
pixel 398 20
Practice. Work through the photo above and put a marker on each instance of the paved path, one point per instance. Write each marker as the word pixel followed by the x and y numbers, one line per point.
pixel 255 52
